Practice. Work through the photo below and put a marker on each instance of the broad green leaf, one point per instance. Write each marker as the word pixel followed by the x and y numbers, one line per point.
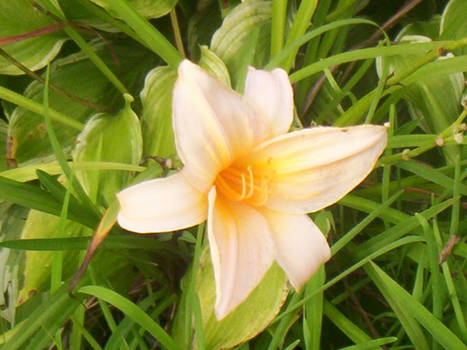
pixel 3 145
pixel 36 271
pixel 11 261
pixel 429 28
pixel 146 8
pixel 410 308
pixel 19 17
pixel 156 116
pixel 75 11
pixel 98 141
pixel 453 24
pixel 200 31
pixel 243 39
pixel 250 318
pixel 214 65
pixel 78 76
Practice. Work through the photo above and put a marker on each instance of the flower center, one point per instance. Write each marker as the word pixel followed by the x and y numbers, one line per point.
pixel 244 183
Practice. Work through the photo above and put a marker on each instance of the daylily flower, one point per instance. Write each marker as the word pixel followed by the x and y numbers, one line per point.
pixel 251 180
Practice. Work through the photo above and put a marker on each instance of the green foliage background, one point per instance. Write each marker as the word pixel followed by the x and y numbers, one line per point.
pixel 85 89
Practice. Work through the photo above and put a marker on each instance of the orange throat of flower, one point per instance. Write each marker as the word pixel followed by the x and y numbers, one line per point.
pixel 244 183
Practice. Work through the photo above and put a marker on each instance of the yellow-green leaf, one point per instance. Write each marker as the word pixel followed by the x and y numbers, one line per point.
pixel 249 318
pixel 146 8
pixel 110 138
pixel 41 41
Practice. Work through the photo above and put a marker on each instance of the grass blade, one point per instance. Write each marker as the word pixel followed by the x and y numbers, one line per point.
pixel 133 311
pixel 150 35
pixel 29 196
pixel 408 305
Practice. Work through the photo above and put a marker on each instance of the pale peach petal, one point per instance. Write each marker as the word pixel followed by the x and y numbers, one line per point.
pixel 314 168
pixel 161 205
pixel 300 246
pixel 241 250
pixel 212 124
pixel 272 95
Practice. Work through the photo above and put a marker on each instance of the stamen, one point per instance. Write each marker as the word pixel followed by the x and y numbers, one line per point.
pixel 244 184
pixel 264 191
pixel 228 175
pixel 252 182
pixel 227 190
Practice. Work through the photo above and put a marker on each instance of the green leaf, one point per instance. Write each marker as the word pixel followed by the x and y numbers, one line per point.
pixel 77 211
pixel 126 326
pixel 249 318
pixel 78 76
pixel 132 311
pixel 82 11
pixel 200 31
pixel 372 52
pixel 371 344
pixel 37 266
pixel 28 195
pixel 29 172
pixel 32 106
pixel 59 155
pixel 47 318
pixel 429 28
pixel 214 65
pixel 297 29
pixel 410 308
pixel 453 23
pixel 349 328
pixel 155 40
pixel 52 310
pixel 294 45
pixel 11 262
pixel 81 243
pixel 433 99
pixel 146 8
pixel 3 145
pixel 402 227
pixel 97 143
pixel 431 174
pixel 35 49
pixel 156 116
pixel 243 39
pixel 313 311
